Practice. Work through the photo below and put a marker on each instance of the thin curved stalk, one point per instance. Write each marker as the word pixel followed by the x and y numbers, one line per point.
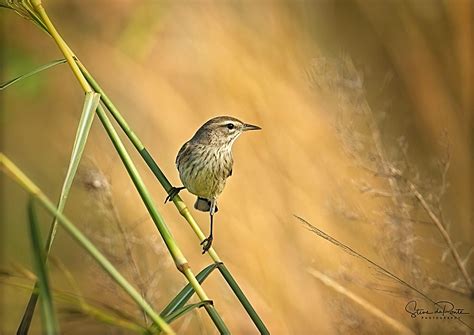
pixel 31 73
pixel 452 247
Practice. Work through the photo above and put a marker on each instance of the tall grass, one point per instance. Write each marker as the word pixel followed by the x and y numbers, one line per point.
pixel 17 175
pixel 36 12
pixel 189 61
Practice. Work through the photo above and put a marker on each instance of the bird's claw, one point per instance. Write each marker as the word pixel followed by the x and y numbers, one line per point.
pixel 206 244
pixel 173 192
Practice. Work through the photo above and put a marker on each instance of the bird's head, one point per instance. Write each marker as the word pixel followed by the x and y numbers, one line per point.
pixel 222 131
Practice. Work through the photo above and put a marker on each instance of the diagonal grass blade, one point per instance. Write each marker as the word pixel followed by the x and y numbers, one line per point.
pixel 90 104
pixel 18 176
pixel 186 293
pixel 48 315
pixel 184 310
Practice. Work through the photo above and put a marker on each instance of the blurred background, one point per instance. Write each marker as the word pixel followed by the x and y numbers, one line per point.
pixel 358 100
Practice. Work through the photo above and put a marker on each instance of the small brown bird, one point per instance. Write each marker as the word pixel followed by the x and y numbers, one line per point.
pixel 205 162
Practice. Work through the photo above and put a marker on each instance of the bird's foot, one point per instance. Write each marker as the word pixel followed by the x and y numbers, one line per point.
pixel 206 244
pixel 173 192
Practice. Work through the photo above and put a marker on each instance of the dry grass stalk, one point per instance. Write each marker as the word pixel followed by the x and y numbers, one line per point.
pixel 367 306
pixel 437 222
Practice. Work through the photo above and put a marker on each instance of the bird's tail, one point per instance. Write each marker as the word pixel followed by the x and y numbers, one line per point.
pixel 203 205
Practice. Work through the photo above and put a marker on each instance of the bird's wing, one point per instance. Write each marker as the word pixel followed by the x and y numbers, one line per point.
pixel 181 151
pixel 231 165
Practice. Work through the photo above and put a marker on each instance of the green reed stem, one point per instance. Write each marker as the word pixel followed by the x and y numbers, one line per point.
pixel 175 252
pixel 179 203
pixel 178 257
pixel 17 175
pixel 242 298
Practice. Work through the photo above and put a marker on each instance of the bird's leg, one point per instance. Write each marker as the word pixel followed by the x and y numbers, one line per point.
pixel 173 192
pixel 207 242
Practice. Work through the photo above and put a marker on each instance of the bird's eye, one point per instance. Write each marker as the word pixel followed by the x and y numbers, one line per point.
pixel 230 126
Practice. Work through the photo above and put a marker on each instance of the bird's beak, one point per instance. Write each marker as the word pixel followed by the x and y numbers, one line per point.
pixel 250 127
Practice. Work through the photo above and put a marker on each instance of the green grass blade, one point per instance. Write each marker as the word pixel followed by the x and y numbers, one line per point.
pixel 158 220
pixel 29 311
pixel 48 315
pixel 186 293
pixel 184 310
pixel 106 265
pixel 31 73
pixel 77 306
pixel 18 176
pixel 88 111
pixel 243 299
pixel 86 311
pixel 91 102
